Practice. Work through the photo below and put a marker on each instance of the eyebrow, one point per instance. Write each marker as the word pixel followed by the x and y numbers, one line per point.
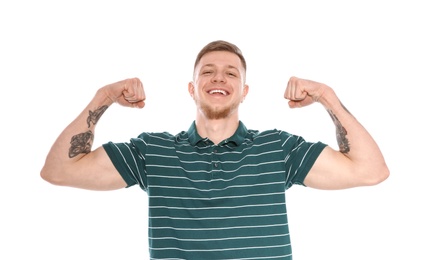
pixel 213 65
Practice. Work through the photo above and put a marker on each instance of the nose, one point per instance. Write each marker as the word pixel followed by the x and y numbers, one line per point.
pixel 219 77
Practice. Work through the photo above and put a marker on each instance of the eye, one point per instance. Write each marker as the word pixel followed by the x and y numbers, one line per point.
pixel 232 74
pixel 206 72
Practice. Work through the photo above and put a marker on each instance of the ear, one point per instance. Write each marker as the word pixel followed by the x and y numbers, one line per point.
pixel 191 89
pixel 245 91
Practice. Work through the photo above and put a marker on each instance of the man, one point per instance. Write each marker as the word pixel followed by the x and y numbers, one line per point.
pixel 217 190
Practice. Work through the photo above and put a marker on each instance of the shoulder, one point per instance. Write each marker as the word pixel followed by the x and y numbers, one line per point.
pixel 156 135
pixel 283 139
pixel 266 137
pixel 158 138
pixel 270 134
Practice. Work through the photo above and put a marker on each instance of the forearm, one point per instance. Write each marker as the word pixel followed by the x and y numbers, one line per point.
pixel 75 141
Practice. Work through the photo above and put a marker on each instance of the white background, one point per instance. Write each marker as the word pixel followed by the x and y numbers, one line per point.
pixel 54 55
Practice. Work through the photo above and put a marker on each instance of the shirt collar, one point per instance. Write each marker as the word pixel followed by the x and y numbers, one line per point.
pixel 237 138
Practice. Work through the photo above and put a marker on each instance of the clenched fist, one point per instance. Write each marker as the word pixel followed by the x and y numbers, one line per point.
pixel 128 92
pixel 303 92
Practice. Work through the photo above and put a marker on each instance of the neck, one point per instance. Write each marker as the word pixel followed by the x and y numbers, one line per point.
pixel 217 130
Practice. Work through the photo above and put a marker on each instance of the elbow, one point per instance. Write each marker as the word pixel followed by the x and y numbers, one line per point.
pixel 378 175
pixel 51 177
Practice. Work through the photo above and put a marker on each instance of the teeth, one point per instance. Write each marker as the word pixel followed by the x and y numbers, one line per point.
pixel 218 91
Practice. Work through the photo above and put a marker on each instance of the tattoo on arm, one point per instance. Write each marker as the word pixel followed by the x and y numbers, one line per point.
pixel 96 115
pixel 341 134
pixel 81 143
pixel 345 108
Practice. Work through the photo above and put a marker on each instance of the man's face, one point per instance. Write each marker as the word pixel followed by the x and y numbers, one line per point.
pixel 219 84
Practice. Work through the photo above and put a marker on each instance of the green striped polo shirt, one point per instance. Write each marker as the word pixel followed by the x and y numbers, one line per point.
pixel 224 201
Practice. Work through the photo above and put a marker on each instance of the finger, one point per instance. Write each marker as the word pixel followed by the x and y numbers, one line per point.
pixel 139 94
pixel 137 89
pixel 141 91
pixel 294 104
pixel 293 91
pixel 298 90
pixel 292 88
pixel 133 90
pixel 139 104
pixel 286 93
pixel 288 90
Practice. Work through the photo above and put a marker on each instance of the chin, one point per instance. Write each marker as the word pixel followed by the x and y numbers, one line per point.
pixel 212 113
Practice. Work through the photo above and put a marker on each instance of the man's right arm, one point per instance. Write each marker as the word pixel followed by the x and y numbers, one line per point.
pixel 71 160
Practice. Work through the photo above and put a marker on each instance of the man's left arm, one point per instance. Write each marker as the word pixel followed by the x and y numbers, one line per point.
pixel 359 161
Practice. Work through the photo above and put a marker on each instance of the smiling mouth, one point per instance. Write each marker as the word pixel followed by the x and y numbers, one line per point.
pixel 218 91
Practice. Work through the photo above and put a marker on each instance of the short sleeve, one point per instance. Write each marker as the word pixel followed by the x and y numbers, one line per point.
pixel 300 156
pixel 129 160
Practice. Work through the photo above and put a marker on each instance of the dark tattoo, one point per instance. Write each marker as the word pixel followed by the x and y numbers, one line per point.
pixel 81 143
pixel 341 134
pixel 345 108
pixel 96 115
